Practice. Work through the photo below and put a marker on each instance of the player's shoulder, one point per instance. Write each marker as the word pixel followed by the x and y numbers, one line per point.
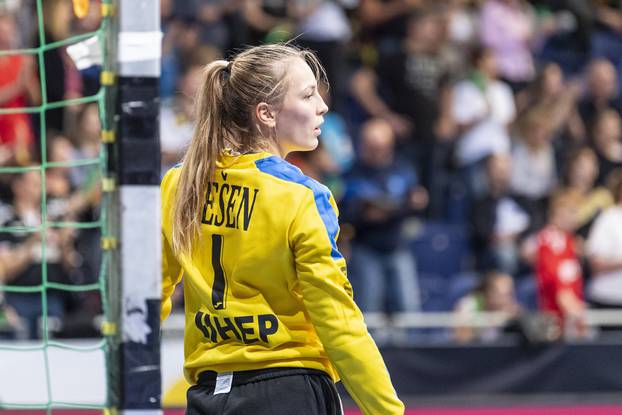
pixel 175 169
pixel 286 172
pixel 170 178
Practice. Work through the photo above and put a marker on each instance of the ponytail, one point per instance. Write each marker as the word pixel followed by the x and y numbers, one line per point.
pixel 199 163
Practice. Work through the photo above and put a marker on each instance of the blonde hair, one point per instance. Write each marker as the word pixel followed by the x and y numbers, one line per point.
pixel 225 105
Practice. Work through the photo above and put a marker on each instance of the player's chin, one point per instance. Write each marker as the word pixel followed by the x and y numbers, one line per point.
pixel 310 144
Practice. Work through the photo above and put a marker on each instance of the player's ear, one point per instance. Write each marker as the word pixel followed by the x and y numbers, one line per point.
pixel 265 114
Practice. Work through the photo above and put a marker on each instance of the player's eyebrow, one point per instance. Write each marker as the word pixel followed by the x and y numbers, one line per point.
pixel 309 88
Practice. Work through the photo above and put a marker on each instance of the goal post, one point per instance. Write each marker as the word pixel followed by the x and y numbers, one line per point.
pixel 136 383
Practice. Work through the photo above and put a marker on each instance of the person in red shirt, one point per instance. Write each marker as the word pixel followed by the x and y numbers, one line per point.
pixel 19 88
pixel 558 271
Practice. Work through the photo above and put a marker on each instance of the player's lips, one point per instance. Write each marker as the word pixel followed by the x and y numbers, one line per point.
pixel 317 130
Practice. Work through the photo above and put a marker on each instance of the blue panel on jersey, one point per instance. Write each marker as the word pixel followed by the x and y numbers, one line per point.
pixel 281 169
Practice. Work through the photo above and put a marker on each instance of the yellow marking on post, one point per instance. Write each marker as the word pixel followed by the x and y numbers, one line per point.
pixel 108 184
pixel 108 136
pixel 81 8
pixel 107 78
pixel 108 243
pixel 108 10
pixel 108 328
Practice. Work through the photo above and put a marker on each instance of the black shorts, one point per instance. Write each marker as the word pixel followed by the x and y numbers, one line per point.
pixel 267 392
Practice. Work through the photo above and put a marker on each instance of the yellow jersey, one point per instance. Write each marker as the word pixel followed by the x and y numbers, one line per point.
pixel 265 285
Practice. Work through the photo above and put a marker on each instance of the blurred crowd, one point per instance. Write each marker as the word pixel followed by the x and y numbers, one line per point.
pixel 474 148
pixel 59 137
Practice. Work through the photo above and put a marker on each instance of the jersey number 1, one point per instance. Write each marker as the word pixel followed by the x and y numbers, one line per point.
pixel 220 282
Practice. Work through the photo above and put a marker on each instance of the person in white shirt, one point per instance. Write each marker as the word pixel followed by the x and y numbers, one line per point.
pixel 604 251
pixel 483 107
pixel 534 171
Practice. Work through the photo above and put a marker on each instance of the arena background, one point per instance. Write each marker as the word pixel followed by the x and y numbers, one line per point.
pixel 465 191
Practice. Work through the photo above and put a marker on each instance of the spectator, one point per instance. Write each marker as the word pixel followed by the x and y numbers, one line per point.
pixel 406 89
pixel 25 262
pixel 558 271
pixel 412 79
pixel 11 326
pixel 581 174
pixel 602 91
pixel 323 27
pixel 607 38
pixel 336 137
pixel 381 193
pixel 546 87
pixel 506 28
pixel 570 35
pixel 462 27
pixel 406 84
pixel 211 15
pixel 483 107
pixel 19 87
pixel 10 323
pixel 604 252
pixel 75 203
pixel 67 82
pixel 383 22
pixel 495 293
pixel 534 170
pixel 266 20
pixel 179 37
pixel 549 93
pixel 607 140
pixel 82 255
pixel 498 221
pixel 86 140
pixel 64 202
pixel 90 72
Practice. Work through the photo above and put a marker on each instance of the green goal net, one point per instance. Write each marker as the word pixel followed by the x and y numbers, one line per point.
pixel 39 389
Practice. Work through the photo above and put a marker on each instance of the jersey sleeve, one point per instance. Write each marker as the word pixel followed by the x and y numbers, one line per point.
pixel 171 269
pixel 171 276
pixel 328 299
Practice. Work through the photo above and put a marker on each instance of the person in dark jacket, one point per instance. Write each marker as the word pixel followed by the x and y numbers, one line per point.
pixel 498 220
pixel 381 192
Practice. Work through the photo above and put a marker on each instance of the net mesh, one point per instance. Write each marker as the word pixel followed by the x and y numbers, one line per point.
pixel 48 345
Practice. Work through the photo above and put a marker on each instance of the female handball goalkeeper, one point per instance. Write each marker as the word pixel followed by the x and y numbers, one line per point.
pixel 270 319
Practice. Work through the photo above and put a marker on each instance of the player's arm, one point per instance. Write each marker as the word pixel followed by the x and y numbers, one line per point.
pixel 171 269
pixel 171 276
pixel 327 296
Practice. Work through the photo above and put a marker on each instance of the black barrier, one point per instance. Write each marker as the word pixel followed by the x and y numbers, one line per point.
pixel 506 369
